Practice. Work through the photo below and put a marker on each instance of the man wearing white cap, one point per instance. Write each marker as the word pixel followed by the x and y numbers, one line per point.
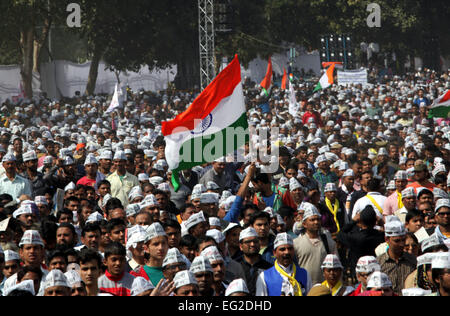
pixel 25 215
pixel 105 162
pixel 38 183
pixel 56 284
pixel 209 203
pixel 121 181
pixel 251 261
pixel 333 208
pixel 150 205
pixel 440 267
pixel 196 225
pixel 204 275
pixel 141 287
pixel 285 278
pixel 332 272
pixel 219 268
pixel 31 252
pixel 237 288
pixel 442 211
pixel 219 175
pixel 297 191
pixel 394 201
pixel 135 245
pixel 364 268
pixel 212 187
pixel 185 284
pixel 43 206
pixel 314 244
pixel 76 285
pixel 173 263
pixel 11 183
pixel 92 175
pixel 379 284
pixel 323 174
pixel 11 265
pixel 409 202
pixel 395 262
pixel 345 191
pixel 63 173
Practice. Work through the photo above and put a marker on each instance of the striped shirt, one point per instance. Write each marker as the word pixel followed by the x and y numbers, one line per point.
pixel 397 272
pixel 117 286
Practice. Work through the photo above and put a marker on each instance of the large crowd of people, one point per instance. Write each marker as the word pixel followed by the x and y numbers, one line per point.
pixel 358 206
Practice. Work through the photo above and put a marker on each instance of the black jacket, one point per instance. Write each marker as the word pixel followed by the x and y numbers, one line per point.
pixel 359 242
pixel 323 208
pixel 252 272
pixel 38 185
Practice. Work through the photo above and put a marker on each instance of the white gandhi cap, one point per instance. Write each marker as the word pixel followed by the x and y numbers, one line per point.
pixel 237 286
pixel 140 285
pixel 184 278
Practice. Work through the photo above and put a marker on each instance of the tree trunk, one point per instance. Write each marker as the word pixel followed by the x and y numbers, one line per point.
pixel 93 71
pixel 26 68
pixel 38 44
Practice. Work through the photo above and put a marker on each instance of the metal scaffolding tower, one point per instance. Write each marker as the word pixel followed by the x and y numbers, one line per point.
pixel 206 40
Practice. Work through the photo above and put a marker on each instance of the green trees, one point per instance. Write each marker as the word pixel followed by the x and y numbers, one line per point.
pixel 25 27
pixel 128 34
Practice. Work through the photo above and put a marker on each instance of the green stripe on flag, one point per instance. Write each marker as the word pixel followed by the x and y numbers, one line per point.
pixel 440 112
pixel 230 143
pixel 318 87
pixel 176 180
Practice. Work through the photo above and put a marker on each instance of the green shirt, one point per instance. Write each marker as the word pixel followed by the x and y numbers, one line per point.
pixel 155 274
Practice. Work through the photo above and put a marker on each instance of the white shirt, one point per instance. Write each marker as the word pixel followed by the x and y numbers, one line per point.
pixel 261 287
pixel 361 204
pixel 15 188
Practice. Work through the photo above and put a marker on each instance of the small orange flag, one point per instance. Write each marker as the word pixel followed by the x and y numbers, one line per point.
pixel 267 81
pixel 284 81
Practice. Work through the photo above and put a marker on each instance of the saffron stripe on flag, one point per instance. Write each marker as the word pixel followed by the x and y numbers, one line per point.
pixel 220 88
pixel 445 98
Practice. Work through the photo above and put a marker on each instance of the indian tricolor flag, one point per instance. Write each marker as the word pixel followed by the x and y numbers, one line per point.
pixel 327 79
pixel 291 77
pixel 441 106
pixel 213 126
pixel 266 84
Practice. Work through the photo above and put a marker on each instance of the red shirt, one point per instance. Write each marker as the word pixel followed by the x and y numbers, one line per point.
pixel 315 116
pixel 87 182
